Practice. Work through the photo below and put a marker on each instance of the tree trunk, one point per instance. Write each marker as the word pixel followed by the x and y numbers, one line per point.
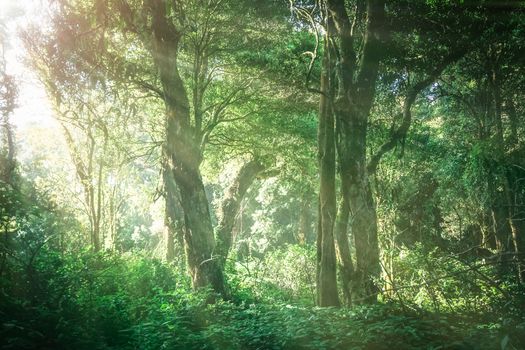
pixel 357 75
pixel 356 189
pixel 501 225
pixel 230 206
pixel 184 153
pixel 517 214
pixel 199 243
pixel 84 172
pixel 505 204
pixel 344 257
pixel 9 98
pixel 364 222
pixel 199 240
pixel 173 214
pixel 327 279
pixel 169 237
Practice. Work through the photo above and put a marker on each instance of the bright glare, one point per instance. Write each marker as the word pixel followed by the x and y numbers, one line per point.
pixel 33 109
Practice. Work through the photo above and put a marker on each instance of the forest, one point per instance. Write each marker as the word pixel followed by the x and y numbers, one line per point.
pixel 262 174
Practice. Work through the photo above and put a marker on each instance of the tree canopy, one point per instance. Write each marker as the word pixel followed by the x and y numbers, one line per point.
pixel 302 174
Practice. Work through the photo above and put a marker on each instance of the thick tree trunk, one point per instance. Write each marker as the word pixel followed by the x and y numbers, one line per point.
pixel 230 206
pixel 173 215
pixel 363 222
pixel 505 201
pixel 199 241
pixel 344 257
pixel 364 230
pixel 357 75
pixel 184 153
pixel 327 278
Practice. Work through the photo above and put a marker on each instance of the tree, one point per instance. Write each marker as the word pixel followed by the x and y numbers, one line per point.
pixel 359 31
pixel 185 64
pixel 231 203
pixel 483 92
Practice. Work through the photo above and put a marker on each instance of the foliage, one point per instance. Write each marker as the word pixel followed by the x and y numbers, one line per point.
pixel 437 101
pixel 103 301
pixel 285 274
pixel 83 300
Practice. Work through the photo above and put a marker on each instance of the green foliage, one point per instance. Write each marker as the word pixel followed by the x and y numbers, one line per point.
pixel 81 300
pixel 283 275
pixel 440 281
pixel 243 65
pixel 87 302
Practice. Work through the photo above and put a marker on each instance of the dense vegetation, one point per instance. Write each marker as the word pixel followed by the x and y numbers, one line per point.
pixel 243 174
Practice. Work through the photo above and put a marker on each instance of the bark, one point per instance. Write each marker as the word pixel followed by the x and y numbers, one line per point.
pixel 501 228
pixel 199 243
pixel 489 237
pixel 327 279
pixel 342 246
pixel 186 158
pixel 499 217
pixel 364 231
pixel 173 215
pixel 231 204
pixel 184 153
pixel 352 107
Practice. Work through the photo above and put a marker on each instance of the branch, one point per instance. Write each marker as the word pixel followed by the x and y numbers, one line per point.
pixel 339 19
pixel 372 51
pixel 309 17
pixel 413 91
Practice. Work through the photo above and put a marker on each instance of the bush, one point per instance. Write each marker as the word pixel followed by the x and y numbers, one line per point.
pixel 283 275
pixel 104 301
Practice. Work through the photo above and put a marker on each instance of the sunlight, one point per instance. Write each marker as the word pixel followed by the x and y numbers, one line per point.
pixel 181 175
pixel 33 106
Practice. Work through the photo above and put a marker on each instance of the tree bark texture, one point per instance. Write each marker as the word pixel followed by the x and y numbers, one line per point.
pixel 327 278
pixel 173 215
pixel 183 150
pixel 344 256
pixel 353 101
pixel 231 204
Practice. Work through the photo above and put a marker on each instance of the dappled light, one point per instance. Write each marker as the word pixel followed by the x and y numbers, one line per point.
pixel 279 174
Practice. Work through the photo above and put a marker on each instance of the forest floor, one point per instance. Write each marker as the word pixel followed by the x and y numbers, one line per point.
pixel 109 302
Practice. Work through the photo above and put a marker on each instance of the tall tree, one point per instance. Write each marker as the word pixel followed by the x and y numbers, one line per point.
pixel 185 63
